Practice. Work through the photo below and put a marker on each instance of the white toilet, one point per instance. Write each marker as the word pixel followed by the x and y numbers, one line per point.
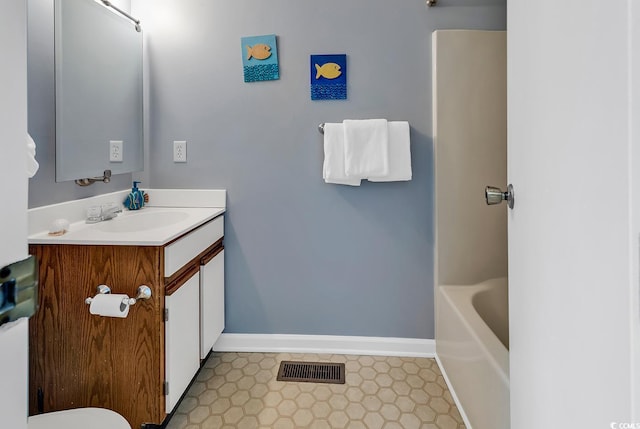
pixel 79 418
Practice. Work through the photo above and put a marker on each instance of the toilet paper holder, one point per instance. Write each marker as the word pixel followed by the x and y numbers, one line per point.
pixel 144 292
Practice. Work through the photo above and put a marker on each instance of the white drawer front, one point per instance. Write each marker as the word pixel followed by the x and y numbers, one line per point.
pixel 181 251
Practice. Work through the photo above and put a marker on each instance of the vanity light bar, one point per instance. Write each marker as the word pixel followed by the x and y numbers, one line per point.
pixel 107 3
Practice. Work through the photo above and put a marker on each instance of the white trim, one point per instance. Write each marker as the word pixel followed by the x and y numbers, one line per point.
pixel 467 423
pixel 326 344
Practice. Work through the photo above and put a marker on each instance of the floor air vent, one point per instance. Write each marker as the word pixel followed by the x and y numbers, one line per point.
pixel 313 372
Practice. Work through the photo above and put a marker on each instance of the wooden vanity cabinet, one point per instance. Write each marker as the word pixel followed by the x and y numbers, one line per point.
pixel 81 360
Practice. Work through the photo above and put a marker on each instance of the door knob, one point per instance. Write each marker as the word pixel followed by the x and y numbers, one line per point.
pixel 495 195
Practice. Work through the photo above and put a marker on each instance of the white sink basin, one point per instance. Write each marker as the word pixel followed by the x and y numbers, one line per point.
pixel 134 222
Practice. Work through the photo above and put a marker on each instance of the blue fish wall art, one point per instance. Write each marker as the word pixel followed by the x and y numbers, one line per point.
pixel 329 77
pixel 260 58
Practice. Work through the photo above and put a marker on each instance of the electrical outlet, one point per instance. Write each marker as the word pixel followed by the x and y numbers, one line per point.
pixel 115 151
pixel 180 151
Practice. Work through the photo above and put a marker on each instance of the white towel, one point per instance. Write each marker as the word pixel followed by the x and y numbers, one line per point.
pixel 366 148
pixel 333 166
pixel 32 164
pixel 399 153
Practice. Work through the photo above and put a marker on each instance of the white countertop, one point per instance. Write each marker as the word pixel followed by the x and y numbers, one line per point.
pixel 173 213
pixel 118 232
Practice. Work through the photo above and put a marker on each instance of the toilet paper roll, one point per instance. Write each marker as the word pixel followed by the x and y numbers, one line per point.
pixel 109 305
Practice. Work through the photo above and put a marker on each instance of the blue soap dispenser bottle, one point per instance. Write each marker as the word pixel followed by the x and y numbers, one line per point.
pixel 135 199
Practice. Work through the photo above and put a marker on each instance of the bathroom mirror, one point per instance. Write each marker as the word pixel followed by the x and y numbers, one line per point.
pixel 98 90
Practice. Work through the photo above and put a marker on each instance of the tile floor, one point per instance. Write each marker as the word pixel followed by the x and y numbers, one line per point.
pixel 239 390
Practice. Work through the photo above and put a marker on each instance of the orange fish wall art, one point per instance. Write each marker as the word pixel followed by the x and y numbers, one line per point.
pixel 260 58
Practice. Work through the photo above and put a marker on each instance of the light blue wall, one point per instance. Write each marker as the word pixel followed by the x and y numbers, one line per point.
pixel 304 257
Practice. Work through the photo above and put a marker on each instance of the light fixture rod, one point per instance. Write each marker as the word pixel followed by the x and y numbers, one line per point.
pixel 123 13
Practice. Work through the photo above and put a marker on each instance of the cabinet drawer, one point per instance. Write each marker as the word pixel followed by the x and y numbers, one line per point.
pixel 183 250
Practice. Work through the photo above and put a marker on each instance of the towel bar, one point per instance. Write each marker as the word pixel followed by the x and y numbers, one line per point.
pixel 321 128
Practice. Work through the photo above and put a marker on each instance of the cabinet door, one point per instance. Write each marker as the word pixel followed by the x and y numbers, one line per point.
pixel 211 303
pixel 181 339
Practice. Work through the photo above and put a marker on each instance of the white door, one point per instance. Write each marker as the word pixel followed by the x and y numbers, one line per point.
pixel 573 234
pixel 13 210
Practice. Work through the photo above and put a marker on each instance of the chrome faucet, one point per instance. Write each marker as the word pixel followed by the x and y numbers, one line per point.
pixel 101 213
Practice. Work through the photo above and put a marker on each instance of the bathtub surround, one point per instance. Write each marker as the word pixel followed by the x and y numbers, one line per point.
pixel 470 124
pixel 302 257
pixel 470 132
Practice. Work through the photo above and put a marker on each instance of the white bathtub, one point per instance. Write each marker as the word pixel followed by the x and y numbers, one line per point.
pixel 472 340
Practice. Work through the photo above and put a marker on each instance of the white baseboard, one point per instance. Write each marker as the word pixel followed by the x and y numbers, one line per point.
pixel 326 344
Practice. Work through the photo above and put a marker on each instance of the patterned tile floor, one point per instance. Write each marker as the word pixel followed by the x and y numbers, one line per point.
pixel 239 390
